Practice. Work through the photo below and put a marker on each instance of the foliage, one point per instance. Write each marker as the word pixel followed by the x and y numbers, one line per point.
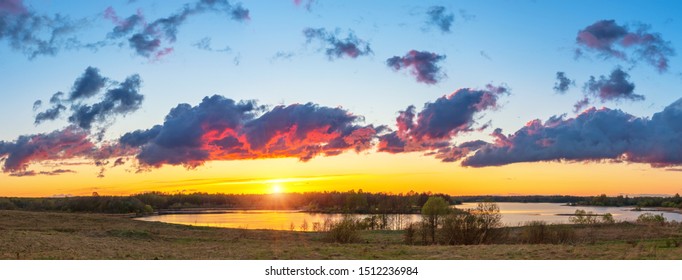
pixel 474 226
pixel 432 212
pixel 603 200
pixel 344 231
pixel 539 232
pixel 651 219
pixel 329 202
pixel 583 217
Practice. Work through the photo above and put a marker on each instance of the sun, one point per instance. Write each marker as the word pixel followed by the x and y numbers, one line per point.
pixel 276 188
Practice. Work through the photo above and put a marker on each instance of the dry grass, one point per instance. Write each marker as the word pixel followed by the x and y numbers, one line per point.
pixel 38 235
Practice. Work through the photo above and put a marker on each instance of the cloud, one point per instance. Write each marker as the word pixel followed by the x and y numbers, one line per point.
pixel 34 34
pixel 581 104
pixel 594 135
pixel 87 85
pixel 223 129
pixel 563 83
pixel 152 39
pixel 37 104
pixel 49 114
pixel 611 40
pixel 439 17
pixel 439 121
pixel 457 152
pixel 336 47
pixel 68 143
pixel 205 44
pixel 120 99
pixel 423 65
pixel 614 87
pixel 35 173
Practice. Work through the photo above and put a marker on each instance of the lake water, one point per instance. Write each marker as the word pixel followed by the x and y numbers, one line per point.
pixel 512 214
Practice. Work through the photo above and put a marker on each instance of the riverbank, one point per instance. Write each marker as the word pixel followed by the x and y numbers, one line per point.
pixel 45 235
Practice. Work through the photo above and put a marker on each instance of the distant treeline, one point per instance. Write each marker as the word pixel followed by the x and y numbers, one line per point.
pixel 520 198
pixel 640 201
pixel 358 202
pixel 600 200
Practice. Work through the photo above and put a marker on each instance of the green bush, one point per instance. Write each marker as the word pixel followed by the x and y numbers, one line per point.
pixel 539 232
pixel 651 219
pixel 344 231
pixel 476 226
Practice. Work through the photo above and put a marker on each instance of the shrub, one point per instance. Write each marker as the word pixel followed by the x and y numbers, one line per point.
pixel 607 219
pixel 539 232
pixel 344 231
pixel 651 219
pixel 6 204
pixel 477 226
pixel 583 217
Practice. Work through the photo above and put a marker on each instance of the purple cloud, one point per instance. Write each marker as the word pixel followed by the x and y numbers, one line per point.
pixel 609 39
pixel 223 129
pixel 594 135
pixel 151 40
pixel 439 121
pixel 34 34
pixel 614 87
pixel 121 99
pixel 423 65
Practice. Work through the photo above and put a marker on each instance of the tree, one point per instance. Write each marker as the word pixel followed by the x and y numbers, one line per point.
pixel 432 211
pixel 489 217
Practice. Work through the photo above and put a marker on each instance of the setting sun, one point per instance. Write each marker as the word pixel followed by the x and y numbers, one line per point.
pixel 276 189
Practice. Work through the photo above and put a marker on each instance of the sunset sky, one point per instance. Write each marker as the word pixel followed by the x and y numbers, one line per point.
pixel 459 97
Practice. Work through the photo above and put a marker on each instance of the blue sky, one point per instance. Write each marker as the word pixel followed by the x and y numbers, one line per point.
pixel 519 45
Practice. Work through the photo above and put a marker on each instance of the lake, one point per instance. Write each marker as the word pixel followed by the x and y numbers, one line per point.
pixel 513 214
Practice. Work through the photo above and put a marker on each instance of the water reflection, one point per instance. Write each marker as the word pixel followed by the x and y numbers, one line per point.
pixel 512 214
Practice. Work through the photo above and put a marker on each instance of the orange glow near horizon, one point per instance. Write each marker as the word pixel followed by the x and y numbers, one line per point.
pixel 371 172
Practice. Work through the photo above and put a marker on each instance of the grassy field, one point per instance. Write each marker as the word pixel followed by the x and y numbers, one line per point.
pixel 41 235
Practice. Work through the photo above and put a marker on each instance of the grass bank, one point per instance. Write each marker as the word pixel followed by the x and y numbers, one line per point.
pixel 46 235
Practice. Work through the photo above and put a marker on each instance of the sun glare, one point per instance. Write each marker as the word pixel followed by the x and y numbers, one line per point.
pixel 276 189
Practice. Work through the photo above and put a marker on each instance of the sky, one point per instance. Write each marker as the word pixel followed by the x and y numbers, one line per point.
pixel 458 97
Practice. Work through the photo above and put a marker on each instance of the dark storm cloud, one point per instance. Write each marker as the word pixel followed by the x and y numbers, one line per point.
pixel 152 39
pixel 223 129
pixel 439 17
pixel 34 34
pixel 563 83
pixel 422 64
pixel 614 87
pixel 334 46
pixel 609 39
pixel 439 121
pixel 120 99
pixel 594 135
